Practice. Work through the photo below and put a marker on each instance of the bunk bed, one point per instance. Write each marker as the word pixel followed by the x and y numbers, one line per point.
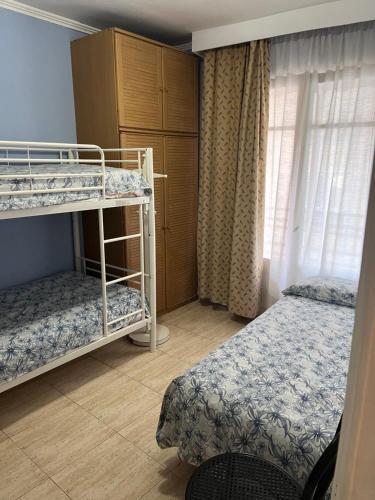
pixel 48 322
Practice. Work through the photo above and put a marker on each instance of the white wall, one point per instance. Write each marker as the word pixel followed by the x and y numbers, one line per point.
pixel 308 18
pixel 354 476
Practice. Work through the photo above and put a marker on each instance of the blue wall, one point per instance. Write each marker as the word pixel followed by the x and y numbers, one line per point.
pixel 36 103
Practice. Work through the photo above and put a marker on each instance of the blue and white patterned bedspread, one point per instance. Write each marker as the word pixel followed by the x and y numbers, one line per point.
pixel 119 182
pixel 276 389
pixel 44 319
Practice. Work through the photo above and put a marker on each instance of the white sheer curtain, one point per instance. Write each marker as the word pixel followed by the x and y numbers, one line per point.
pixel 320 150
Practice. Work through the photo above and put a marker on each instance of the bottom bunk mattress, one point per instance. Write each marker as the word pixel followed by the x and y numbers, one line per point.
pixel 44 319
pixel 276 389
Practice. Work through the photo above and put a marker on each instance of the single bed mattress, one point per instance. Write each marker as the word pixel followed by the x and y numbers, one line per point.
pixel 276 389
pixel 119 183
pixel 47 318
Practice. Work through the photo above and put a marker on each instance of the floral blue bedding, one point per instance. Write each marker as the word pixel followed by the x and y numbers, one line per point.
pixel 342 292
pixel 44 319
pixel 276 389
pixel 119 182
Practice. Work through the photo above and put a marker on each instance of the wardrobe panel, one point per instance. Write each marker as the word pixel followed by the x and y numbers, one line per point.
pixel 114 227
pixel 181 166
pixel 139 83
pixel 180 103
pixel 95 99
pixel 133 140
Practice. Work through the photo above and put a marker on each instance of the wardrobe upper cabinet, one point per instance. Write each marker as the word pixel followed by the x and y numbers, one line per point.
pixel 139 83
pixel 180 91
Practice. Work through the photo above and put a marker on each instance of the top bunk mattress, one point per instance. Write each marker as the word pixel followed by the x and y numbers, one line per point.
pixel 119 183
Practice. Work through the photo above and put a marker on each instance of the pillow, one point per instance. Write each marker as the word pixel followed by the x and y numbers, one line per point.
pixel 333 290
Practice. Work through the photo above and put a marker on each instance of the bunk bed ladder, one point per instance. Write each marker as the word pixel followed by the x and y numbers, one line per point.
pixel 146 217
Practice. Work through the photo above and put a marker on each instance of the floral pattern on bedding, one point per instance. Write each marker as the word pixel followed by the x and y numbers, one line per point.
pixel 333 290
pixel 119 183
pixel 276 389
pixel 44 319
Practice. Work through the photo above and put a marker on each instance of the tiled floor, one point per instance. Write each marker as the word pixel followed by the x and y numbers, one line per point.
pixel 87 429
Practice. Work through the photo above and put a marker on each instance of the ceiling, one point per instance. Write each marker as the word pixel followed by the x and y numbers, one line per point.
pixel 167 20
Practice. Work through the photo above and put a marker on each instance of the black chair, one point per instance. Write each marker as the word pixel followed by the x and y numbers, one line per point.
pixel 237 476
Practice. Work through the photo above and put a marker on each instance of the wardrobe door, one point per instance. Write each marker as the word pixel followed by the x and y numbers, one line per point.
pixel 139 83
pixel 180 102
pixel 135 140
pixel 181 166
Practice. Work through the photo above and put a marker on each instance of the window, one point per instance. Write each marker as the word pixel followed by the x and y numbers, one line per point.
pixel 319 159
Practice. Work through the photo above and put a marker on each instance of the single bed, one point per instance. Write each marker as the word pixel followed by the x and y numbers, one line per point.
pixel 119 183
pixel 47 318
pixel 276 389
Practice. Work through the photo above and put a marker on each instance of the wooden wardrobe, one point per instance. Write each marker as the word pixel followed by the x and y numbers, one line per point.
pixel 134 92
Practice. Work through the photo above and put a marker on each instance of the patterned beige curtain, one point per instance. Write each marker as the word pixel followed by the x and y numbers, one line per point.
pixel 232 175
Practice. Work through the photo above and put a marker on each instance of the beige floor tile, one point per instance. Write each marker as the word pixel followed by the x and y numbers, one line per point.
pixel 158 373
pixel 184 470
pixel 200 346
pixel 179 340
pixel 18 474
pixel 177 312
pixel 170 488
pixel 47 490
pixel 142 433
pixel 80 371
pixel 28 403
pixel 215 323
pixel 199 317
pixel 115 470
pixel 3 436
pixel 124 355
pixel 199 354
pixel 95 377
pixel 118 402
pixel 57 440
pixel 173 486
pixel 221 331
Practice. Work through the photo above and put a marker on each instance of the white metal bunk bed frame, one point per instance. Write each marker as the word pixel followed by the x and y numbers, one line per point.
pixel 24 153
